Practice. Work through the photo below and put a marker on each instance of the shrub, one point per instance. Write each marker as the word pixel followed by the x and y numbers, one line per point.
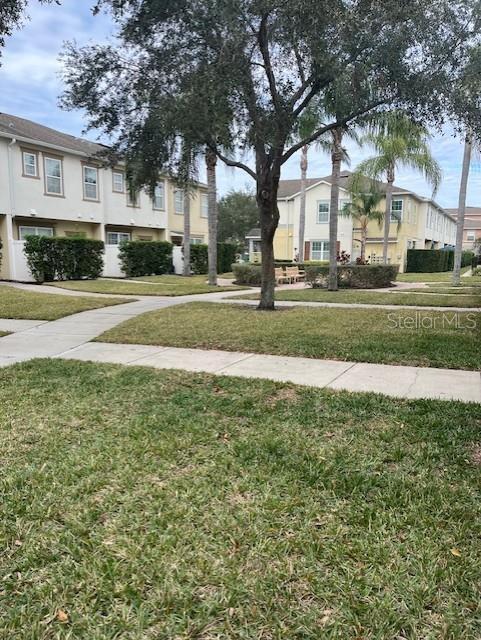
pixel 247 273
pixel 1 246
pixel 63 258
pixel 199 258
pixel 226 254
pixel 354 276
pixel 467 258
pixel 139 258
pixel 428 260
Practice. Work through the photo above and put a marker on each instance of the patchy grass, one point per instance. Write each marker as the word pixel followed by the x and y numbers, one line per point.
pixel 351 296
pixel 20 304
pixel 158 504
pixel 363 335
pixel 439 288
pixel 146 286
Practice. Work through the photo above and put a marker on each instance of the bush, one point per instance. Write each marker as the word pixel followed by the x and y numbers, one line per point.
pixel 354 276
pixel 199 258
pixel 1 246
pixel 429 260
pixel 226 254
pixel 247 273
pixel 139 258
pixel 467 258
pixel 64 258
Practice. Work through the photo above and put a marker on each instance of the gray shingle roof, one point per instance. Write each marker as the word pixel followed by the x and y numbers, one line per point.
pixel 22 128
pixel 254 233
pixel 471 212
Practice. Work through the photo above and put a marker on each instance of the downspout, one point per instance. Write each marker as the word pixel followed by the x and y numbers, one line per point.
pixel 11 214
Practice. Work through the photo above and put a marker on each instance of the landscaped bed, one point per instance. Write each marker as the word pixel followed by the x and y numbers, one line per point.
pixel 147 504
pixel 362 335
pixel 20 304
pixel 153 286
pixel 417 298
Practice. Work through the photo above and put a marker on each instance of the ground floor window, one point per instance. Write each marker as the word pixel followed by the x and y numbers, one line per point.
pixel 196 240
pixel 116 237
pixel 320 250
pixel 23 232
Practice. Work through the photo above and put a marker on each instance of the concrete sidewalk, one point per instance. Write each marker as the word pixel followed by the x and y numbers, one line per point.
pixel 396 381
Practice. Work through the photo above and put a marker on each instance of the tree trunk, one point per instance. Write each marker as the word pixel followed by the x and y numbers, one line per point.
pixel 363 245
pixel 387 215
pixel 186 233
pixel 302 213
pixel 458 254
pixel 334 207
pixel 267 188
pixel 211 162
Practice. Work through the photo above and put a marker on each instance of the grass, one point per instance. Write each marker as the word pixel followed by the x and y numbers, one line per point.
pixel 20 304
pixel 140 504
pixel 363 335
pixel 4 333
pixel 473 290
pixel 421 299
pixel 439 276
pixel 146 286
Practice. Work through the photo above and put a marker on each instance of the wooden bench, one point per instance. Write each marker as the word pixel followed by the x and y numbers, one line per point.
pixel 295 275
pixel 281 276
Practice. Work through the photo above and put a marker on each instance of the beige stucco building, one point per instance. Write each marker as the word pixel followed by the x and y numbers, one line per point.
pixel 417 223
pixel 55 184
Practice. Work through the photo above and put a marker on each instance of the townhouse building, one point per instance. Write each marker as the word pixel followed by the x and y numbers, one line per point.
pixel 55 184
pixel 472 227
pixel 416 223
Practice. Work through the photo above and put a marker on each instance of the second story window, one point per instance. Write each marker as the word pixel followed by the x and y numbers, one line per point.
pixel 91 183
pixel 30 164
pixel 159 197
pixel 133 198
pixel 179 201
pixel 322 212
pixel 204 205
pixel 53 176
pixel 118 181
pixel 396 211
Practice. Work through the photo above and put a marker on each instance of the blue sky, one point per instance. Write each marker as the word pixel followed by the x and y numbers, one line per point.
pixel 30 86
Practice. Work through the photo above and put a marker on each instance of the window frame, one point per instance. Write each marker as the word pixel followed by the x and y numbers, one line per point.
pixel 204 198
pixel 161 183
pixel 324 251
pixel 176 191
pixel 117 233
pixel 85 166
pixel 328 204
pixel 394 220
pixel 35 154
pixel 134 204
pixel 119 173
pixel 196 240
pixel 27 226
pixel 58 159
pixel 473 236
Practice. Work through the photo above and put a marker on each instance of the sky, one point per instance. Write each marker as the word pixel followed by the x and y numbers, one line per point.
pixel 30 86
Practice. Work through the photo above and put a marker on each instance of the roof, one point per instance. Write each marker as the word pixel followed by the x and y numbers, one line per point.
pixel 471 212
pixel 289 188
pixel 472 224
pixel 254 233
pixel 15 127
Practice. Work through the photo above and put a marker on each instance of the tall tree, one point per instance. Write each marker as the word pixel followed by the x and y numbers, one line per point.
pixel 308 123
pixel 458 254
pixel 187 200
pixel 398 141
pixel 240 73
pixel 238 214
pixel 12 14
pixel 211 163
pixel 363 209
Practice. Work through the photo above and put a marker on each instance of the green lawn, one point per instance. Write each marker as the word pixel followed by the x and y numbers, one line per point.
pixel 351 296
pixel 473 290
pixel 151 286
pixel 139 504
pixel 439 276
pixel 363 335
pixel 20 304
pixel 4 333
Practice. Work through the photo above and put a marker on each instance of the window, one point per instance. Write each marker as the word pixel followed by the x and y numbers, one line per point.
pixel 23 232
pixel 53 176
pixel 91 182
pixel 196 240
pixel 116 237
pixel 179 201
pixel 320 250
pixel 159 196
pixel 204 205
pixel 133 199
pixel 118 181
pixel 322 212
pixel 30 164
pixel 471 236
pixel 396 211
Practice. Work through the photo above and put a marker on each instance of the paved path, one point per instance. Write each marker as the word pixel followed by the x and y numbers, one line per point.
pixel 396 381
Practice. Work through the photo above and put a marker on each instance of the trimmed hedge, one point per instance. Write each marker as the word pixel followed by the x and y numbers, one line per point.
pixel 1 255
pixel 139 258
pixel 64 258
pixel 354 276
pixel 199 257
pixel 434 260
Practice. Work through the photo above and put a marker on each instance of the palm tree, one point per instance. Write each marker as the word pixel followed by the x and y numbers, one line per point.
pixel 211 163
pixel 307 125
pixel 363 209
pixel 187 197
pixel 398 142
pixel 458 253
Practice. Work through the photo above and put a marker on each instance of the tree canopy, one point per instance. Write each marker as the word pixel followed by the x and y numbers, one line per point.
pixel 238 214
pixel 236 75
pixel 12 13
